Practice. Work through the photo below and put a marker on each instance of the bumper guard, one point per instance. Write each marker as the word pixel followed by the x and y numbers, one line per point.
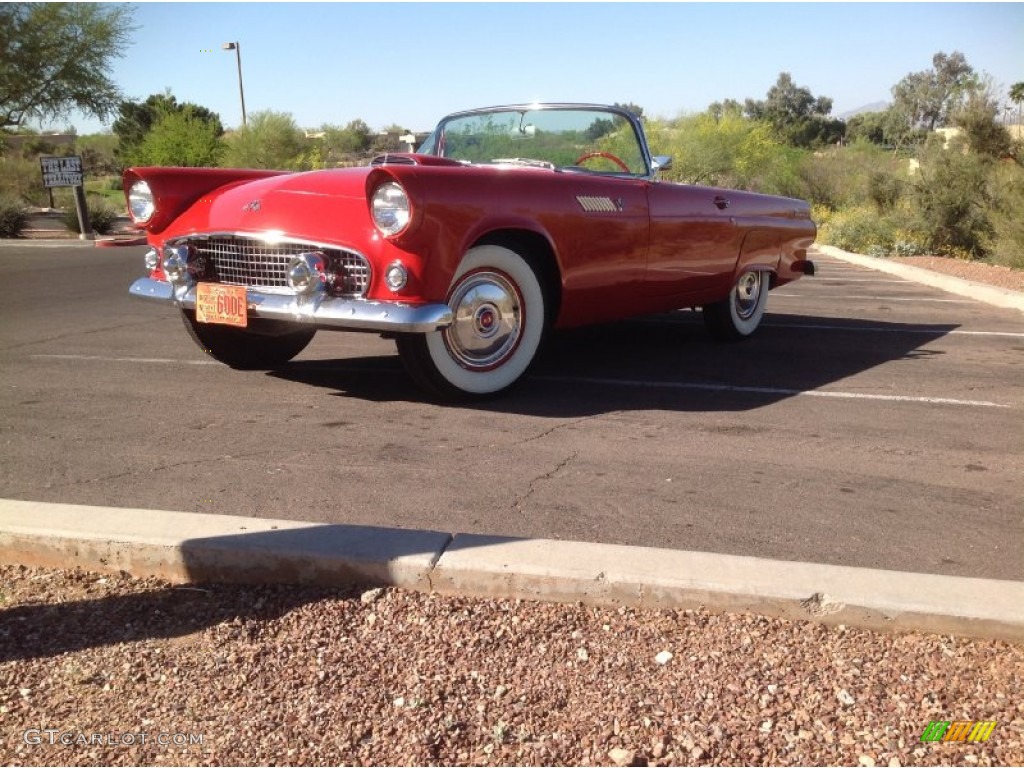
pixel 318 309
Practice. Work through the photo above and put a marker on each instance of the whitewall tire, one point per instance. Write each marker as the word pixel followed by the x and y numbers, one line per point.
pixel 499 318
pixel 738 316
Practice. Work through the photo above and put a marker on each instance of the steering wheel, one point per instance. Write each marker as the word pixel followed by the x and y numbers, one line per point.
pixel 605 155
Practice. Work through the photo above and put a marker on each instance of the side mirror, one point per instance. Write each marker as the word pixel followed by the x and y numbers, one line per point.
pixel 662 162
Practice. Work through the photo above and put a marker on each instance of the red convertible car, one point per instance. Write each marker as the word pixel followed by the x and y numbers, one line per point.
pixel 508 222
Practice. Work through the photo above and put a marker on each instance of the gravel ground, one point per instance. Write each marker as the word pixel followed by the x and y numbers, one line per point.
pixel 284 675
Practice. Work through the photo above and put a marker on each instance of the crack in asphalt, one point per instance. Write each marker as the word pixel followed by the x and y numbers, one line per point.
pixel 518 504
pixel 73 334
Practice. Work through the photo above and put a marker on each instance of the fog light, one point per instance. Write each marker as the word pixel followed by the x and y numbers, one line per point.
pixel 396 276
pixel 176 264
pixel 306 273
pixel 152 259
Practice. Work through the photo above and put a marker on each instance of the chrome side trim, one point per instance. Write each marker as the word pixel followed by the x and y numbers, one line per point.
pixel 319 310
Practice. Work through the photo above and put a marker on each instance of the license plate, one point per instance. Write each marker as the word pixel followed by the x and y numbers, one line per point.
pixel 221 304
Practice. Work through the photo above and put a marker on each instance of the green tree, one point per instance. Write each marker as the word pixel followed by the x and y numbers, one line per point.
pixel 270 140
pixel 798 117
pixel 978 118
pixel 136 119
pixel 1017 97
pixel 180 138
pixel 629 106
pixel 352 139
pixel 56 58
pixel 929 98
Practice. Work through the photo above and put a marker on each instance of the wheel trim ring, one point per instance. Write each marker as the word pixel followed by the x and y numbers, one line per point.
pixel 747 295
pixel 470 325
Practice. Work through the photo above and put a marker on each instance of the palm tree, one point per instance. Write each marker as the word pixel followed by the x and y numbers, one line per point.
pixel 1017 97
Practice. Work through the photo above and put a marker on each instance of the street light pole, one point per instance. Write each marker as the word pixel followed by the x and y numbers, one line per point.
pixel 237 48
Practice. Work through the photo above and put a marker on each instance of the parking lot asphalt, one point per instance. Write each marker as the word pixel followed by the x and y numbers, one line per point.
pixel 872 423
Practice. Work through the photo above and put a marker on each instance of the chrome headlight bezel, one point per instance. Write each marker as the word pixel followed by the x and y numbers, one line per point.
pixel 390 208
pixel 141 202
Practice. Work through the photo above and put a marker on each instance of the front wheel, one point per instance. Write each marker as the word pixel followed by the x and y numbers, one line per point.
pixel 739 315
pixel 264 344
pixel 499 317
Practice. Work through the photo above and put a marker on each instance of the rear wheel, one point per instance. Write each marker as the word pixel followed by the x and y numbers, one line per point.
pixel 264 344
pixel 499 316
pixel 739 315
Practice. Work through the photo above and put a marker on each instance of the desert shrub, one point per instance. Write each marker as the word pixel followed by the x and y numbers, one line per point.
pixel 728 151
pixel 21 179
pixel 859 229
pixel 101 217
pixel 951 198
pixel 1005 243
pixel 884 190
pixel 13 217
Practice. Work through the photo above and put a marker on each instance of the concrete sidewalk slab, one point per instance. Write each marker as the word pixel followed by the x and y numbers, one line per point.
pixel 186 547
pixel 989 294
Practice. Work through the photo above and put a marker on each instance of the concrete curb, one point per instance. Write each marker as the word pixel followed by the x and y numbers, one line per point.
pixel 990 294
pixel 185 547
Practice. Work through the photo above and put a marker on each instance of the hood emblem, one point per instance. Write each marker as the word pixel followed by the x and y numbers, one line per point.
pixel 252 207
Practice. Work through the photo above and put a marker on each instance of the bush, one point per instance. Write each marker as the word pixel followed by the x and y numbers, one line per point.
pixel 13 217
pixel 860 230
pixel 1005 243
pixel 885 190
pixel 951 200
pixel 101 217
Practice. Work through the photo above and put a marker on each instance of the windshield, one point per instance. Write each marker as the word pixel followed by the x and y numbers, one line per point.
pixel 589 139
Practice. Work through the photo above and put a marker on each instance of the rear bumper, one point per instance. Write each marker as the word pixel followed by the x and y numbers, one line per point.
pixel 319 310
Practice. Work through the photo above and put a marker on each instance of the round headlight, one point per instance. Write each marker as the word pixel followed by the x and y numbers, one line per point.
pixel 141 202
pixel 390 208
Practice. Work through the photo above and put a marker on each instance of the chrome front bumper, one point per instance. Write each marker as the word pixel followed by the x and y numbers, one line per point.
pixel 318 309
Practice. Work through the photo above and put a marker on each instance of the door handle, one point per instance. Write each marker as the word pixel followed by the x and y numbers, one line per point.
pixel 721 202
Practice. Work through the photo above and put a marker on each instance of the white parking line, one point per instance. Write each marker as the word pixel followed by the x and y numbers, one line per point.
pixel 770 391
pixel 682 385
pixel 847 328
pixel 826 278
pixel 873 298
pixel 868 329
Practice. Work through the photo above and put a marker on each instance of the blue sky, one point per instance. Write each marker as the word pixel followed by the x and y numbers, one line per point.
pixel 412 63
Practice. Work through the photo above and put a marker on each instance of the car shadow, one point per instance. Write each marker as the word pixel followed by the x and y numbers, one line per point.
pixel 665 362
pixel 47 630
pixel 233 579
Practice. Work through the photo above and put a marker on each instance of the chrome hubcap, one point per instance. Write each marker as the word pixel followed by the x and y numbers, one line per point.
pixel 488 321
pixel 748 292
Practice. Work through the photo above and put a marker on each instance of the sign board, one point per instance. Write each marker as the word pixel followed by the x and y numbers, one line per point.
pixel 61 171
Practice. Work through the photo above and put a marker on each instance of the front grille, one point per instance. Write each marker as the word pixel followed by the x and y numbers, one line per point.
pixel 252 262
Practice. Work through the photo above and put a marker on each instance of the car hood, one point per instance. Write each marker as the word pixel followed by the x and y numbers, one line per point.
pixel 301 206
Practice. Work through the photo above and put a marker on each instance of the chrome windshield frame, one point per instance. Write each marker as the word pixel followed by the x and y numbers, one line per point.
pixel 650 167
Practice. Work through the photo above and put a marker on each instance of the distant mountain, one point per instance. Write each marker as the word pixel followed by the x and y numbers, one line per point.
pixel 875 106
